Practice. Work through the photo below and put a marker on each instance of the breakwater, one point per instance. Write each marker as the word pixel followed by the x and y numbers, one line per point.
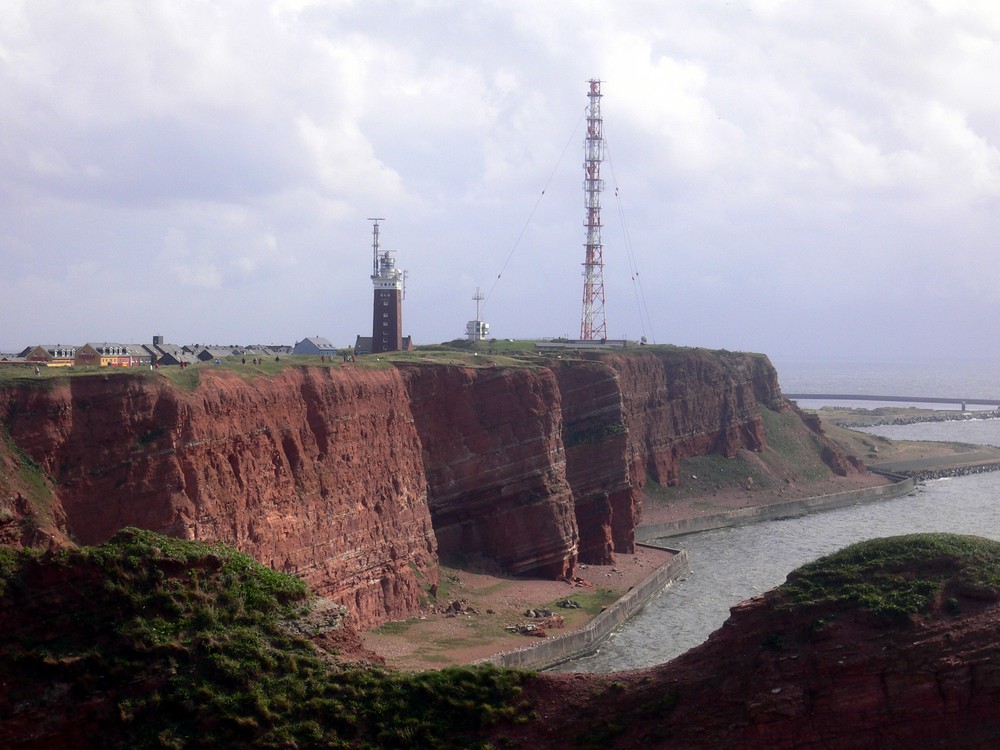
pixel 907 419
pixel 928 474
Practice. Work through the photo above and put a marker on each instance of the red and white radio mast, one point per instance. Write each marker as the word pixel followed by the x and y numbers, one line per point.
pixel 593 326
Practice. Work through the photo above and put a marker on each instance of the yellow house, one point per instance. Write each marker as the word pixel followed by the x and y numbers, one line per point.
pixel 103 355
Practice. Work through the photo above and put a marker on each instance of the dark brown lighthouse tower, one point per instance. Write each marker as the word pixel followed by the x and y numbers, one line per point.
pixel 387 314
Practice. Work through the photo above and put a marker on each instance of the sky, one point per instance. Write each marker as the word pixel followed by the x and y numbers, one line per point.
pixel 809 179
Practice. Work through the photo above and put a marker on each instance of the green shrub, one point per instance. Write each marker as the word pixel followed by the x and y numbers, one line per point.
pixel 188 643
pixel 895 578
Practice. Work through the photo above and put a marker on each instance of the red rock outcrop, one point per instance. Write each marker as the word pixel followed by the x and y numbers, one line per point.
pixel 596 439
pixel 353 478
pixel 316 472
pixel 635 414
pixel 496 467
pixel 681 403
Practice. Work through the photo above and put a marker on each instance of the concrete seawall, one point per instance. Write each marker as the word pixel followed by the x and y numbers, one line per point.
pixel 562 648
pixel 552 651
pixel 788 509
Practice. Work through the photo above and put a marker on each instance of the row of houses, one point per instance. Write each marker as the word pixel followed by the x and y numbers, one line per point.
pixel 109 354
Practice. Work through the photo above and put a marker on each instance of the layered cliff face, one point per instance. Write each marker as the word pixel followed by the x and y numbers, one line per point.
pixel 638 414
pixel 595 435
pixel 317 472
pixel 682 403
pixel 496 467
pixel 353 478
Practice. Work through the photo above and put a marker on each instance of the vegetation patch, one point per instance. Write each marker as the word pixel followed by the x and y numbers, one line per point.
pixel 701 475
pixel 28 478
pixel 593 601
pixel 896 578
pixel 594 435
pixel 179 644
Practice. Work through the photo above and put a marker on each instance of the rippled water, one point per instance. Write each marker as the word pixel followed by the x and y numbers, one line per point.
pixel 730 565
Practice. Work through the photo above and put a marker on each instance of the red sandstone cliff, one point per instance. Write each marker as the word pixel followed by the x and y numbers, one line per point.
pixel 637 414
pixel 317 472
pixel 496 468
pixel 354 478
pixel 595 435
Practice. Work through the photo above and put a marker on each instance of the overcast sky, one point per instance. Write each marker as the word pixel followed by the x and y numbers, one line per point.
pixel 807 179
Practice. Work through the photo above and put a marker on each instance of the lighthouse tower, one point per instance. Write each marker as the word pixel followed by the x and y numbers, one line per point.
pixel 387 312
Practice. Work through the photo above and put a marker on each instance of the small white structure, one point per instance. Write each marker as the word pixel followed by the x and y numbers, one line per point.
pixel 477 330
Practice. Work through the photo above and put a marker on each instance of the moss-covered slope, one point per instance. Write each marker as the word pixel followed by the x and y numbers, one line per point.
pixel 148 641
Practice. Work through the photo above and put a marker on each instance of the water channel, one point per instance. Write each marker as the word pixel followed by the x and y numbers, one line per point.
pixel 730 565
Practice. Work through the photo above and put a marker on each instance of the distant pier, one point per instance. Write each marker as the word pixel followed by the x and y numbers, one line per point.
pixel 963 402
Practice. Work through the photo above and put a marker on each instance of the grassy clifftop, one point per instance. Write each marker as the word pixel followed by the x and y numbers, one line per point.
pixel 899 578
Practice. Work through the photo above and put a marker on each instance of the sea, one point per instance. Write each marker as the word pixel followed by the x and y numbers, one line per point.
pixel 734 564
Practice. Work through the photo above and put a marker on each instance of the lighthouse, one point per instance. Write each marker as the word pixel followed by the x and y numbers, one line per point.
pixel 387 308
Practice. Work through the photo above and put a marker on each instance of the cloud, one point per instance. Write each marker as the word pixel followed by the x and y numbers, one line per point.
pixel 770 159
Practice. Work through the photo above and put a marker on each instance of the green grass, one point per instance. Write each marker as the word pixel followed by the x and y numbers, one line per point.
pixel 394 627
pixel 591 602
pixel 185 645
pixel 33 480
pixel 700 475
pixel 896 578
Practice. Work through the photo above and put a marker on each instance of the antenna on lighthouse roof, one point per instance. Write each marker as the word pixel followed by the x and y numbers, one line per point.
pixel 375 243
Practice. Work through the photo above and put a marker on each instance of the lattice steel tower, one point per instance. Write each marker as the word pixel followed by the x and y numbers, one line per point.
pixel 593 325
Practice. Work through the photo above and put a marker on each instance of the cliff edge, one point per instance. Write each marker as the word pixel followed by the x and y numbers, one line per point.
pixel 357 477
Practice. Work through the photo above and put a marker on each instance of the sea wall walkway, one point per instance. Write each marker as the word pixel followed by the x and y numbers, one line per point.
pixel 902 485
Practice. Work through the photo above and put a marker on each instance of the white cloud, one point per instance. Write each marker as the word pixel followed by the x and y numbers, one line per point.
pixel 230 146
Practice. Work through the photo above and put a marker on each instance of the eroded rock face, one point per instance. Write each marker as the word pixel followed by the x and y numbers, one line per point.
pixel 597 467
pixel 635 415
pixel 354 478
pixel 317 472
pixel 496 467
pixel 689 403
